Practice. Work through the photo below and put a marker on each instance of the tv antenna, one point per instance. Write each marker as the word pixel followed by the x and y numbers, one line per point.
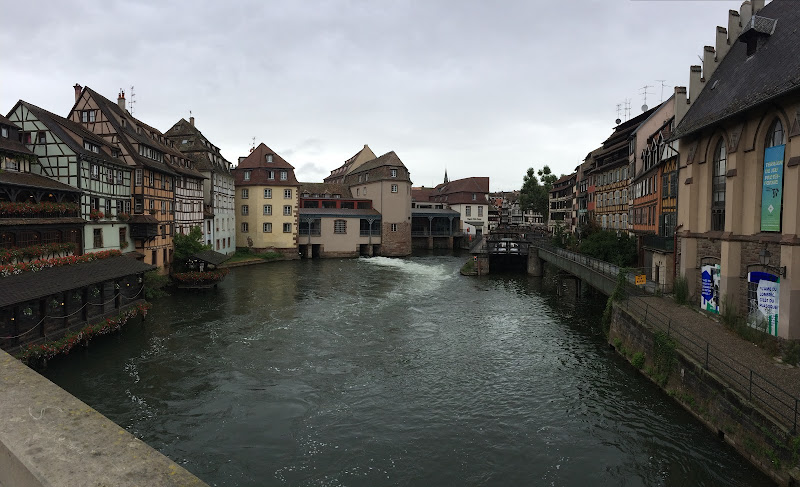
pixel 663 84
pixel 253 145
pixel 619 111
pixel 132 104
pixel 627 109
pixel 643 91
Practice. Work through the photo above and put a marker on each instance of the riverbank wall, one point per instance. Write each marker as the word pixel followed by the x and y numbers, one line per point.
pixel 50 438
pixel 743 424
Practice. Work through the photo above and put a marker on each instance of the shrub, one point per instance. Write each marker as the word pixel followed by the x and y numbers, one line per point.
pixel 638 360
pixel 681 290
pixel 154 284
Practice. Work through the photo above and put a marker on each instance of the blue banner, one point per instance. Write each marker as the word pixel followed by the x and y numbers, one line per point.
pixel 772 189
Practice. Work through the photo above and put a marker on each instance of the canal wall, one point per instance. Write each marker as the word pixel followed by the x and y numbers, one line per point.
pixel 50 438
pixel 732 417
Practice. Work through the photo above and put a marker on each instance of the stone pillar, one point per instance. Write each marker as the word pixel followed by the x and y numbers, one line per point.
pixel 309 251
pixel 688 267
pixel 450 243
pixel 430 242
pixel 535 264
pixel 730 281
pixel 789 311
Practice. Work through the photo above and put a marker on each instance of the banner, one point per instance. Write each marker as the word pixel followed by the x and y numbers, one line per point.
pixel 763 308
pixel 772 189
pixel 709 294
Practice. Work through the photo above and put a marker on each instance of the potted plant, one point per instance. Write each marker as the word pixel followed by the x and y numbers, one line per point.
pixel 96 215
pixel 124 216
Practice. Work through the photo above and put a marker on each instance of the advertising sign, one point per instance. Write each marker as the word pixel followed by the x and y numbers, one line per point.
pixel 641 280
pixel 764 303
pixel 709 294
pixel 772 189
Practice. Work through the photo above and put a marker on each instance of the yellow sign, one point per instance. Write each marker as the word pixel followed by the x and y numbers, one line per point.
pixel 640 280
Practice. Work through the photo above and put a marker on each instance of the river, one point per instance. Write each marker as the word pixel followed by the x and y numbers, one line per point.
pixel 392 372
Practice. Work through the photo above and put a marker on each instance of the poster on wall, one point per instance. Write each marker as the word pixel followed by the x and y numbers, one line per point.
pixel 709 294
pixel 763 307
pixel 772 189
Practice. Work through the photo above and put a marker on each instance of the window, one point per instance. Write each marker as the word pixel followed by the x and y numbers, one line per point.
pixel 468 211
pixel 138 177
pixel 94 169
pixel 42 136
pixel 4 132
pixel 247 175
pixel 269 157
pixel 284 175
pixel 267 210
pixel 245 194
pixel 474 197
pixel 340 226
pixel 393 227
pixel 138 204
pixel 88 116
pixel 94 204
pixel 267 193
pixel 118 176
pixel 480 211
pixel 98 238
pixel 366 177
pixel 245 228
pixel 394 173
pixel 287 210
pixel 718 185
pixel 287 228
pixel 245 210
pixel 287 194
pixel 108 207
pixel 394 188
pixel 270 174
pixel 775 134
pixel 267 227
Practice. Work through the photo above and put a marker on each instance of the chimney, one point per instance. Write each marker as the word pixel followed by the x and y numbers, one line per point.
pixel 757 6
pixel 746 11
pixel 681 104
pixel 695 83
pixel 78 91
pixel 191 121
pixel 709 62
pixel 734 25
pixel 121 99
pixel 722 43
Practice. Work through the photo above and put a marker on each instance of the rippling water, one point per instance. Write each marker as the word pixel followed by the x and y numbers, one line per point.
pixel 380 371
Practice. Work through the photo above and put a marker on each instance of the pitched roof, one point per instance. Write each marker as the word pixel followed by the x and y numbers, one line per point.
pixel 388 159
pixel 196 146
pixel 347 166
pixel 34 285
pixel 31 180
pixel 211 257
pixel 325 188
pixel 256 163
pixel 10 143
pixel 422 194
pixel 742 82
pixel 465 185
pixel 60 125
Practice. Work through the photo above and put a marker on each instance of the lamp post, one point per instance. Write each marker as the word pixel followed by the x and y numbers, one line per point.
pixel 764 257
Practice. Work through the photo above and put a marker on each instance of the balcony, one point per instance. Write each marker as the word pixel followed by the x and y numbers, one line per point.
pixel 655 242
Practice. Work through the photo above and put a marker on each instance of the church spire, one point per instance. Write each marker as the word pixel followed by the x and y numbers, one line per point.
pixel 446 179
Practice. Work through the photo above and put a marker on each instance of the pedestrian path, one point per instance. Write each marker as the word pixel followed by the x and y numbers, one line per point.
pixel 747 368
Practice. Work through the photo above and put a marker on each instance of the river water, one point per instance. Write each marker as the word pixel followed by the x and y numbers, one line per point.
pixel 379 372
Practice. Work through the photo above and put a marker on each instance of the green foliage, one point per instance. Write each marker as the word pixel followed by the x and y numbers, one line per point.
pixel 681 290
pixel 534 194
pixel 154 284
pixel 617 295
pixel 638 360
pixel 189 244
pixel 606 245
pixel 791 352
pixel 664 353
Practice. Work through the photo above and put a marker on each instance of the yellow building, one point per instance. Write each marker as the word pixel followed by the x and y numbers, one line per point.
pixel 266 203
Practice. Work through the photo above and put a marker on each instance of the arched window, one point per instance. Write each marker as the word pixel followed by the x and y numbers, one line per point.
pixel 718 187
pixel 775 135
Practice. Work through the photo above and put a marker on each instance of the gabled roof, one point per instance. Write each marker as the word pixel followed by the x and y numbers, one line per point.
pixel 59 126
pixel 465 185
pixel 388 159
pixel 742 82
pixel 256 163
pixel 195 148
pixel 10 143
pixel 348 165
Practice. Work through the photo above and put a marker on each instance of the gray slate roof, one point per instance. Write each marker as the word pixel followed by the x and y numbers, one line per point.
pixel 35 285
pixel 773 71
pixel 211 257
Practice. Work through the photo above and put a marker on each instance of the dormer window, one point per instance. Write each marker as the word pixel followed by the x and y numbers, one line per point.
pixel 247 175
pixel 394 173
pixel 474 197
pixel 88 116
pixel 269 158
pixel 91 147
pixel 42 137
pixel 284 175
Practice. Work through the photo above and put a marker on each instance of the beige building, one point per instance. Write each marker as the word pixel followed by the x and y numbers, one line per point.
pixel 384 180
pixel 739 176
pixel 266 203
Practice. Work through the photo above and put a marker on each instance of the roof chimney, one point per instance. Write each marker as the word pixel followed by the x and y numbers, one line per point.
pixel 722 43
pixel 121 99
pixel 757 5
pixel 695 83
pixel 709 62
pixel 78 90
pixel 191 121
pixel 681 104
pixel 745 11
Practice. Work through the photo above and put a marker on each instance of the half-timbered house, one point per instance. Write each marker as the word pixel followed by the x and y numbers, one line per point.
pixel 155 167
pixel 219 228
pixel 39 217
pixel 69 153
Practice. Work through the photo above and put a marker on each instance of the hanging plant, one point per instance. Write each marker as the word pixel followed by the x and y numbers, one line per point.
pixel 54 303
pixel 95 292
pixel 27 311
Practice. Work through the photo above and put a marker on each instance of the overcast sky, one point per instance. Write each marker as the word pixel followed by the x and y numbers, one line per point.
pixel 475 87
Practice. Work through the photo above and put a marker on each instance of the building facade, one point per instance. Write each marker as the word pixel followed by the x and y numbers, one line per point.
pixel 561 203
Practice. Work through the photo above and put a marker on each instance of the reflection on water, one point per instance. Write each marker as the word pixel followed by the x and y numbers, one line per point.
pixel 383 371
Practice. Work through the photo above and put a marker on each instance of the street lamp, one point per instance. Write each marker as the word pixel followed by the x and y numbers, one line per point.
pixel 764 257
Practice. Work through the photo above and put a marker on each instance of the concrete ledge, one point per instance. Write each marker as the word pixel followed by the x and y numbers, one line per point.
pixel 49 438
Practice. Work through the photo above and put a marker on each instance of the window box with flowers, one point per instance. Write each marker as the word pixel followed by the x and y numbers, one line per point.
pixel 96 215
pixel 123 217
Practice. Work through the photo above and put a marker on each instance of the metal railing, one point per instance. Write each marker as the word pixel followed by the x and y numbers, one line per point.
pixel 782 405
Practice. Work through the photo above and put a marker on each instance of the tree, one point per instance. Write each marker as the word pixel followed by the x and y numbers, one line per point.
pixel 188 245
pixel 535 196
